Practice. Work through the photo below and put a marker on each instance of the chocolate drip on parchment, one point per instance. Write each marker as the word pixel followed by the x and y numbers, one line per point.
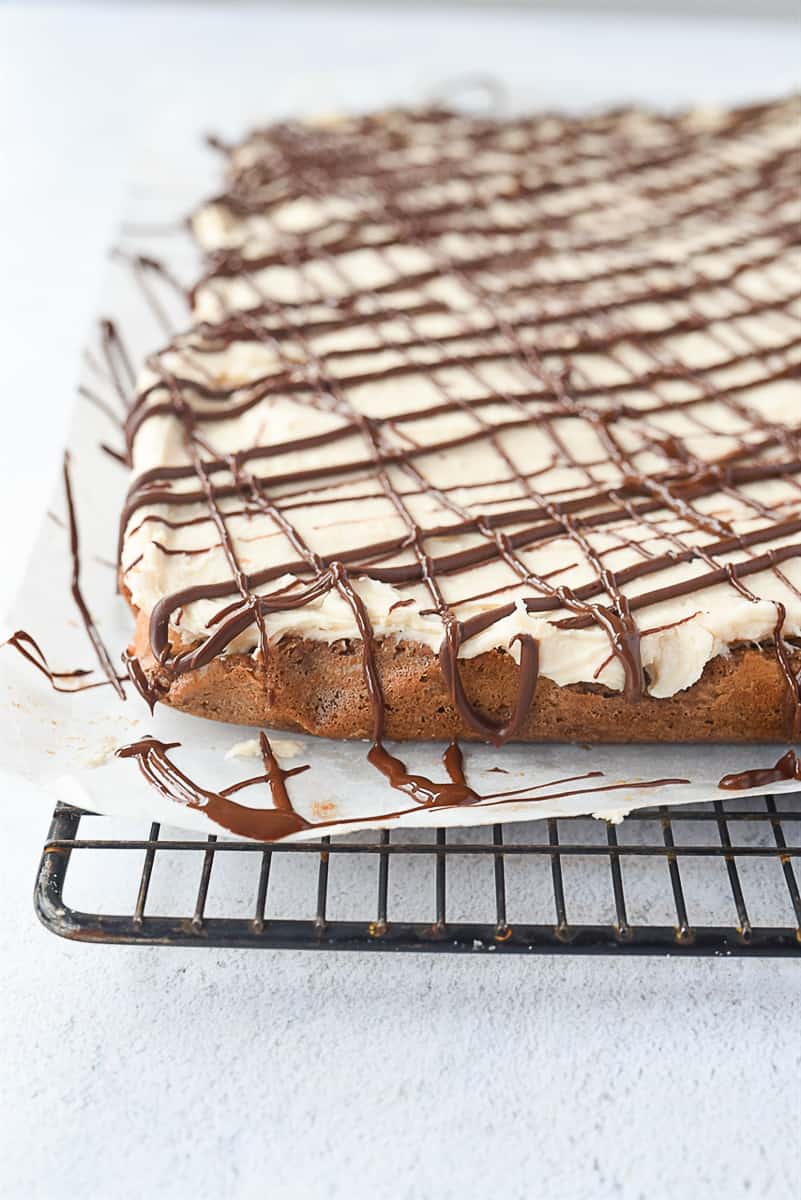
pixel 263 824
pixel 77 594
pixel 281 819
pixel 788 767
pixel 28 647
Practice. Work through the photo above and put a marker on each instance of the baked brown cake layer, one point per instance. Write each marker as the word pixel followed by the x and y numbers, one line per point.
pixel 313 687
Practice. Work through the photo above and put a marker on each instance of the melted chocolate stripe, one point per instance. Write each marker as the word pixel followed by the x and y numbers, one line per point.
pixel 77 595
pixel 26 645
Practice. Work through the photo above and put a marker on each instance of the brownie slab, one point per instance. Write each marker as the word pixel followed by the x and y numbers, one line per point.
pixel 483 428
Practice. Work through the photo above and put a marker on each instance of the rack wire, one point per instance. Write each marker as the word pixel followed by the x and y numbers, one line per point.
pixel 712 879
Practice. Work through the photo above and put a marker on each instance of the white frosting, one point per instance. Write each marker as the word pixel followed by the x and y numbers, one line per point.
pixel 348 509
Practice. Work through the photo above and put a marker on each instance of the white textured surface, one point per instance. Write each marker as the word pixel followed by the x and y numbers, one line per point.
pixel 204 1073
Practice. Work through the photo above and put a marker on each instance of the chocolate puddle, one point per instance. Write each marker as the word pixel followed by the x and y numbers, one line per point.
pixel 788 767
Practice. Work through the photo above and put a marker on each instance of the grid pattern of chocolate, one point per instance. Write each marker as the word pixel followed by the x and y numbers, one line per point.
pixel 529 384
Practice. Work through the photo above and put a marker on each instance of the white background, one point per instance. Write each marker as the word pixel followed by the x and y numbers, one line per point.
pixel 126 1073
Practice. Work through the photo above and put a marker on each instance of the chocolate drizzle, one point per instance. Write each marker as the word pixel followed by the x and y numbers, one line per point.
pixel 281 819
pixel 263 824
pixel 77 595
pixel 421 789
pixel 26 645
pixel 787 767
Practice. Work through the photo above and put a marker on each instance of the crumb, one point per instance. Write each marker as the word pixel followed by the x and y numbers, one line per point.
pixel 285 747
pixel 282 747
pixel 102 754
pixel 614 817
pixel 248 749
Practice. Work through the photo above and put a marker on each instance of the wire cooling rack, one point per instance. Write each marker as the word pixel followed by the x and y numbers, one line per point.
pixel 716 878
